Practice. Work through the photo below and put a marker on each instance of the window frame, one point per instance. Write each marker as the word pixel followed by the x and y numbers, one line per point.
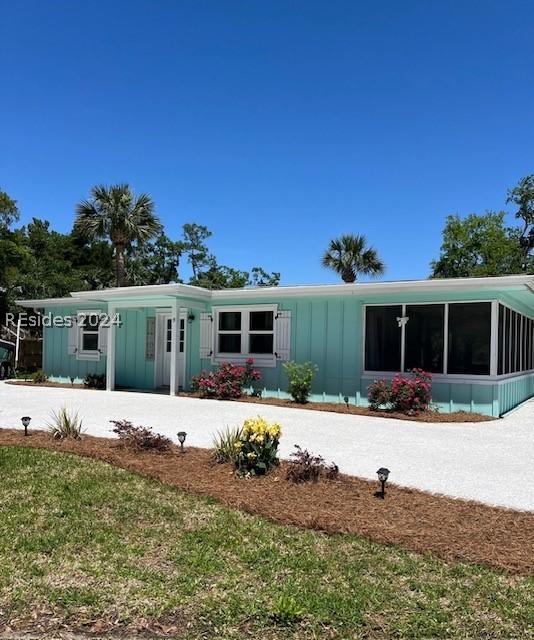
pixel 260 359
pixel 87 354
pixel 445 376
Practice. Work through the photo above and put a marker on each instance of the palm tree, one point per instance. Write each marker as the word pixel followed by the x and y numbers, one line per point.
pixel 114 213
pixel 349 255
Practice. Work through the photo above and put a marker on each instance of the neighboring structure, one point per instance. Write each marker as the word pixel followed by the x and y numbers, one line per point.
pixel 476 336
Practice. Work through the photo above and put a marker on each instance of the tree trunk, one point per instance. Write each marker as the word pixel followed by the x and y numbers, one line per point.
pixel 119 263
pixel 348 276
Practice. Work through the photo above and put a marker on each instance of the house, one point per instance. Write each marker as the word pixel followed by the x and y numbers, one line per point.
pixel 475 335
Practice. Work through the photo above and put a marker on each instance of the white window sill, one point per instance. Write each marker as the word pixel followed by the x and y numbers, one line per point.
pixel 265 360
pixel 88 355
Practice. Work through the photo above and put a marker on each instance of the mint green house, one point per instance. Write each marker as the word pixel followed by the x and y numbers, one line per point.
pixel 476 336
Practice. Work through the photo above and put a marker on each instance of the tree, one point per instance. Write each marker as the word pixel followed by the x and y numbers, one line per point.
pixel 522 195
pixel 479 245
pixel 9 212
pixel 218 276
pixel 194 245
pixel 350 256
pixel 260 278
pixel 115 214
pixel 154 262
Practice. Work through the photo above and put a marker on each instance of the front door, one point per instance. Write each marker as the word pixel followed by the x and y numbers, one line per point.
pixel 164 342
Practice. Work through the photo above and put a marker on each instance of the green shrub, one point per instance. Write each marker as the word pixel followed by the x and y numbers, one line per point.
pixel 65 425
pixel 300 377
pixel 257 449
pixel 39 377
pixel 226 444
pixel 95 381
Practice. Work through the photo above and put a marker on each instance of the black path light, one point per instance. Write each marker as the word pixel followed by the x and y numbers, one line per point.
pixel 181 439
pixel 346 400
pixel 383 475
pixel 26 423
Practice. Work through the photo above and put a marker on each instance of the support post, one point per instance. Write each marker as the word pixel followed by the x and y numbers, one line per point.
pixel 174 382
pixel 110 358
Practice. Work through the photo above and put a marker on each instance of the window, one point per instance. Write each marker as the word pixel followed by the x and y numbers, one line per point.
pixel 515 345
pixel 88 335
pixel 383 338
pixel 229 334
pixel 425 334
pixel 168 336
pixel 245 332
pixel 469 338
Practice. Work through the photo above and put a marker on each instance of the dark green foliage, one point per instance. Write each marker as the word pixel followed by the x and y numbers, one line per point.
pixel 479 245
pixel 350 256
pixel 39 377
pixel 95 381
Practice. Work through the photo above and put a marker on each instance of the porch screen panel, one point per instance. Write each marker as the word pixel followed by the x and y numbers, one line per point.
pixel 424 337
pixel 469 338
pixel 500 342
pixel 382 338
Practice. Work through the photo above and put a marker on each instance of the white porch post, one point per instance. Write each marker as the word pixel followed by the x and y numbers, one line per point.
pixel 174 382
pixel 494 339
pixel 110 358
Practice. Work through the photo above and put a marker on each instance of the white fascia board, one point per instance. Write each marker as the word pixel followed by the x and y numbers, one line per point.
pixel 150 290
pixel 366 288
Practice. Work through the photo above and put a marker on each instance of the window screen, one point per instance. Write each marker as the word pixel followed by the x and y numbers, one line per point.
pixel 469 338
pixel 424 337
pixel 382 338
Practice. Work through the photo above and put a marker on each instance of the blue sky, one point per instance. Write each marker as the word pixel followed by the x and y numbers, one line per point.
pixel 277 124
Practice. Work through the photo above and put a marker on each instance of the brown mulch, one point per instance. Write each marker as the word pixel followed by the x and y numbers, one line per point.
pixel 336 407
pixel 59 385
pixel 454 530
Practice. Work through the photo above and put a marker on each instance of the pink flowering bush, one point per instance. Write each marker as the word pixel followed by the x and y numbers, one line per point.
pixel 409 395
pixel 226 382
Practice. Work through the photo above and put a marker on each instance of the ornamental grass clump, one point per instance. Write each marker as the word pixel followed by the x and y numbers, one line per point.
pixel 65 425
pixel 227 382
pixel 225 444
pixel 257 448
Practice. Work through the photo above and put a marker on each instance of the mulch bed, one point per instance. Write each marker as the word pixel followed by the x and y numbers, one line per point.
pixel 59 385
pixel 336 407
pixel 454 530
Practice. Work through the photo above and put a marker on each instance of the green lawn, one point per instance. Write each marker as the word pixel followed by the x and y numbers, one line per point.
pixel 82 541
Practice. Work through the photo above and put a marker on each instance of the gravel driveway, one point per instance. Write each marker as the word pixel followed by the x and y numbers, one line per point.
pixel 486 461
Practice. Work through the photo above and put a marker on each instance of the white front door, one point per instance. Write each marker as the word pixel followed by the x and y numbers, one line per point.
pixel 163 350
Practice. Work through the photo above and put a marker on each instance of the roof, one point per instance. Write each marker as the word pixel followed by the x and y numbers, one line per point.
pixel 515 282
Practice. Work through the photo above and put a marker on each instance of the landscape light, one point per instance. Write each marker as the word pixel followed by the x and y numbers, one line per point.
pixel 383 475
pixel 26 422
pixel 181 439
pixel 346 400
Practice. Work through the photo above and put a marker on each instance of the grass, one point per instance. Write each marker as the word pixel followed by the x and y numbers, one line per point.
pixel 92 548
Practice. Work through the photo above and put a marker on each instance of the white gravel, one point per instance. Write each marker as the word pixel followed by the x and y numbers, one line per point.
pixel 488 461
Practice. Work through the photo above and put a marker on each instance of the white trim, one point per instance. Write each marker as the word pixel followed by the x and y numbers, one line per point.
pixel 494 337
pixel 360 288
pixel 93 354
pixel 110 360
pixel 402 329
pixel 453 379
pixel 160 339
pixel 260 359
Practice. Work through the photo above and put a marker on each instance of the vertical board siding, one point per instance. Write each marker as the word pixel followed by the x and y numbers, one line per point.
pixel 57 363
pixel 132 369
pixel 513 392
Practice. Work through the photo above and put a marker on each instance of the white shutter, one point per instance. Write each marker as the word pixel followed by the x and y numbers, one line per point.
pixel 282 335
pixel 103 333
pixel 72 343
pixel 206 335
